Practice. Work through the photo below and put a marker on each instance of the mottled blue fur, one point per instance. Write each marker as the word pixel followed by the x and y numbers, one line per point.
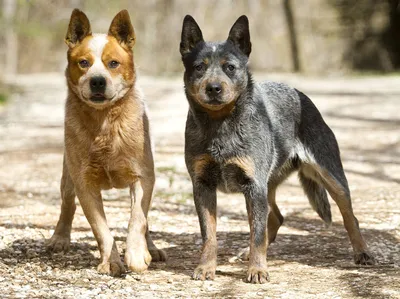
pixel 271 128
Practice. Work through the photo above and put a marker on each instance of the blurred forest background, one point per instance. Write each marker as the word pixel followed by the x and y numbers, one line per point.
pixel 309 36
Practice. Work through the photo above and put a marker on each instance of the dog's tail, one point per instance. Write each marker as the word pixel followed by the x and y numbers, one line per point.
pixel 317 197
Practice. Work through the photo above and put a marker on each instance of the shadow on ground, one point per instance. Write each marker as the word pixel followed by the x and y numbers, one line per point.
pixel 315 246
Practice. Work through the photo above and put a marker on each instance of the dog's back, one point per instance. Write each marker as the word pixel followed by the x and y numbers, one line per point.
pixel 283 108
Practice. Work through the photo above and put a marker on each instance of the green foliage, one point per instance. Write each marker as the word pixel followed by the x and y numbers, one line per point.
pixel 3 94
pixel 3 98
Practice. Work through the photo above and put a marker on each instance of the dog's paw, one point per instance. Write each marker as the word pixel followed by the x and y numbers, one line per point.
pixel 157 255
pixel 138 260
pixel 364 258
pixel 114 268
pixel 205 271
pixel 244 254
pixel 58 243
pixel 257 275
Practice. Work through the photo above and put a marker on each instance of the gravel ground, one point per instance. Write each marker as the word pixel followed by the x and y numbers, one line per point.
pixel 306 261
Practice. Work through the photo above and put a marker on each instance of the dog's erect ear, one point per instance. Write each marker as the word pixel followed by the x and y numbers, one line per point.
pixel 78 28
pixel 240 35
pixel 191 35
pixel 121 28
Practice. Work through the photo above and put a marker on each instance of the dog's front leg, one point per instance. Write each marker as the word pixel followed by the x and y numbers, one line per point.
pixel 257 210
pixel 137 255
pixel 92 205
pixel 205 198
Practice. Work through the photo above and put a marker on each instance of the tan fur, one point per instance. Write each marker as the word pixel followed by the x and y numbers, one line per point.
pixel 200 163
pixel 223 112
pixel 342 200
pixel 244 163
pixel 78 28
pixel 208 261
pixel 275 218
pixel 112 51
pixel 107 148
pixel 215 111
pixel 257 272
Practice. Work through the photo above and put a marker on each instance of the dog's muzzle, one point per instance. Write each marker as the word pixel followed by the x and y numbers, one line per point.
pixel 214 92
pixel 98 86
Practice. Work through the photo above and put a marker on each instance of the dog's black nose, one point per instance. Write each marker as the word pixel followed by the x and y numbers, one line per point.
pixel 98 84
pixel 213 89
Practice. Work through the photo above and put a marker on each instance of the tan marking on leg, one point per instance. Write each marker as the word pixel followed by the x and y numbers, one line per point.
pixel 244 163
pixel 275 218
pixel 257 272
pixel 208 260
pixel 210 247
pixel 343 200
pixel 200 163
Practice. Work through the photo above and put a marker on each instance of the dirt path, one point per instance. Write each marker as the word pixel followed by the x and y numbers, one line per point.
pixel 307 260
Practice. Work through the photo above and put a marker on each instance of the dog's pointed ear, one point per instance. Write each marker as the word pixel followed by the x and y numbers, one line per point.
pixel 121 28
pixel 239 35
pixel 191 35
pixel 78 28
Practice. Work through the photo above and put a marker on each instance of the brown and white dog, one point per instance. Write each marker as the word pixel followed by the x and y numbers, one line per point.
pixel 107 142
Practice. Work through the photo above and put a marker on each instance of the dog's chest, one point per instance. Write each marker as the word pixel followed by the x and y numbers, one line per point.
pixel 235 173
pixel 111 163
pixel 231 179
pixel 229 175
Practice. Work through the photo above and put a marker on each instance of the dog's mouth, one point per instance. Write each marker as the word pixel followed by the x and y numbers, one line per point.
pixel 215 102
pixel 214 105
pixel 98 98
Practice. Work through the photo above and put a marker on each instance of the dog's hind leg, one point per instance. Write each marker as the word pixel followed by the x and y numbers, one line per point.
pixel 319 153
pixel 325 168
pixel 275 218
pixel 339 191
pixel 62 234
pixel 157 255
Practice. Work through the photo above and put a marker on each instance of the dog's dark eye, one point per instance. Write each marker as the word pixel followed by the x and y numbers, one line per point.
pixel 199 67
pixel 230 67
pixel 84 63
pixel 113 64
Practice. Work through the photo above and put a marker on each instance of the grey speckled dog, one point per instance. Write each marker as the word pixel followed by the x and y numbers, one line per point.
pixel 247 137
